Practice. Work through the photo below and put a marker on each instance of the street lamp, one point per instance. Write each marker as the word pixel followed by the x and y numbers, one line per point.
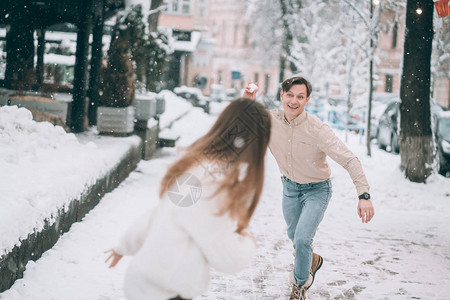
pixel 442 7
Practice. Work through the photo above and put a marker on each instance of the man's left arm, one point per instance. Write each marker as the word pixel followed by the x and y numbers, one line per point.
pixel 339 152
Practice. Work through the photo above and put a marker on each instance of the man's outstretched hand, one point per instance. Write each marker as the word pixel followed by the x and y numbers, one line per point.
pixel 365 210
pixel 250 90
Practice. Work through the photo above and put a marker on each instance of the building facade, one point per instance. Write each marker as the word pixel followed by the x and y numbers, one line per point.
pixel 388 68
pixel 223 54
pixel 390 53
pixel 213 47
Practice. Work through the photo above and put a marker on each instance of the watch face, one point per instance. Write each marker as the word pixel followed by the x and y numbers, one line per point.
pixel 365 196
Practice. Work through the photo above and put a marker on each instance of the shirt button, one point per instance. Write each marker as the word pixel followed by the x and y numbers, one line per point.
pixel 289 152
pixel 289 141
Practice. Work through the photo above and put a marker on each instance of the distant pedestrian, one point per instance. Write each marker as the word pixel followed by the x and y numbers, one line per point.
pixel 175 244
pixel 300 143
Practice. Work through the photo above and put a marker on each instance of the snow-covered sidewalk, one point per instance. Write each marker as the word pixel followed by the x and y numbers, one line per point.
pixel 402 254
pixel 43 169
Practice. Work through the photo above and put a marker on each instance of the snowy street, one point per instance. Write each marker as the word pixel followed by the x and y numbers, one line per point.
pixel 99 98
pixel 403 253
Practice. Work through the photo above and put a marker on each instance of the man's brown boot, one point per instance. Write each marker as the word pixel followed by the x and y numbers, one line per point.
pixel 298 292
pixel 317 262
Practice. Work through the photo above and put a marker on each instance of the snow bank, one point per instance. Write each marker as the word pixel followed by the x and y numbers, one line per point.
pixel 176 107
pixel 38 175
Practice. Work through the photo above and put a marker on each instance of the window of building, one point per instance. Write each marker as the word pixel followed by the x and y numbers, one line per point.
pixel 235 75
pixel 224 32
pixel 220 76
pixel 175 4
pixel 201 12
pixel 246 34
pixel 266 83
pixel 182 7
pixel 202 9
pixel 394 35
pixel 389 83
pixel 235 37
pixel 185 7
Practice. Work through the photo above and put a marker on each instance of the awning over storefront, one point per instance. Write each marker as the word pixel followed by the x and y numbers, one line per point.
pixel 186 41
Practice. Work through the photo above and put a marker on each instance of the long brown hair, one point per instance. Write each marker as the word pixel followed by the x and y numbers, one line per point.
pixel 239 136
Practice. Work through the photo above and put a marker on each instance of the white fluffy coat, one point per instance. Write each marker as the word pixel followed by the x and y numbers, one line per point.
pixel 174 247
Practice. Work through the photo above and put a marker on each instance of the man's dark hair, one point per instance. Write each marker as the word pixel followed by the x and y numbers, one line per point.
pixel 288 83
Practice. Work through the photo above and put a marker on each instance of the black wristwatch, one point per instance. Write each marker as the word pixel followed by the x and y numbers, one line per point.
pixel 365 196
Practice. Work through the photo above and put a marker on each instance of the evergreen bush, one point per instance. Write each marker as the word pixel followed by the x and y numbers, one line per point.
pixel 118 76
pixel 157 53
pixel 136 59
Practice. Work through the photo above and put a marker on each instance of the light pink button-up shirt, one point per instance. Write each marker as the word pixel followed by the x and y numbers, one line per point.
pixel 301 146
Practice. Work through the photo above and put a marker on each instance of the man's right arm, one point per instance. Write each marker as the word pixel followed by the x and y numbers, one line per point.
pixel 250 91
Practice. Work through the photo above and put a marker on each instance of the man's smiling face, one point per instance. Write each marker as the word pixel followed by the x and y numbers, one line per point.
pixel 294 101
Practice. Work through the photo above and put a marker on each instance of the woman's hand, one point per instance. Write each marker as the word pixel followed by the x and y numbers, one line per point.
pixel 365 210
pixel 115 257
pixel 250 91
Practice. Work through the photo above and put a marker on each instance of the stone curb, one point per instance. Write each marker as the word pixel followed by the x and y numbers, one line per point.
pixel 12 264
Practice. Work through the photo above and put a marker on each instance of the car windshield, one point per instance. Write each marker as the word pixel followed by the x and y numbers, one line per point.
pixel 444 125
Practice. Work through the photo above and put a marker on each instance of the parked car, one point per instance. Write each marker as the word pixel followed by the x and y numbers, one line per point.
pixel 194 96
pixel 338 101
pixel 442 138
pixel 379 103
pixel 217 93
pixel 388 126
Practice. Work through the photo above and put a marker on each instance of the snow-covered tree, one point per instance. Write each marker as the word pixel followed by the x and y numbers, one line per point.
pixel 157 53
pixel 147 47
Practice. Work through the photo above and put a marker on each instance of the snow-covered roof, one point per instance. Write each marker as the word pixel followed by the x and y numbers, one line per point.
pixel 57 59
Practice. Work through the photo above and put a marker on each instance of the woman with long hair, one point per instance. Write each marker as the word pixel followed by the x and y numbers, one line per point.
pixel 207 199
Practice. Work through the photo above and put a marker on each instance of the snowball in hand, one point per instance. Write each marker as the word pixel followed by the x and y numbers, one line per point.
pixel 253 87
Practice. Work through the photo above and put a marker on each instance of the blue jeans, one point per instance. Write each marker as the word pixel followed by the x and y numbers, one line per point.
pixel 304 206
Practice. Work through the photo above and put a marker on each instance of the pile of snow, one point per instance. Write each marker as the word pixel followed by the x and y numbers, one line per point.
pixel 42 169
pixel 176 107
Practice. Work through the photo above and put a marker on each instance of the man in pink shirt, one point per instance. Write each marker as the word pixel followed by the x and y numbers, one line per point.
pixel 300 143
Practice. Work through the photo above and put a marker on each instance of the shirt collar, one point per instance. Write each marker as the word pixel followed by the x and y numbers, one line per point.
pixel 298 120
